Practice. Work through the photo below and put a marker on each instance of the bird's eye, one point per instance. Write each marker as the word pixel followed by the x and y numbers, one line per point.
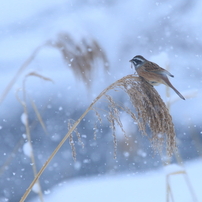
pixel 138 61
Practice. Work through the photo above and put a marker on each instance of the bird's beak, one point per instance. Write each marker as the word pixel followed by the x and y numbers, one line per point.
pixel 130 60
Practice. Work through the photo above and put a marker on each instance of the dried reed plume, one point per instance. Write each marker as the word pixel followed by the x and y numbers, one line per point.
pixel 80 57
pixel 149 110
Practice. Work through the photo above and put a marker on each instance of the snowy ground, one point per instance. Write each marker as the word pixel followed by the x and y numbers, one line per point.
pixel 145 187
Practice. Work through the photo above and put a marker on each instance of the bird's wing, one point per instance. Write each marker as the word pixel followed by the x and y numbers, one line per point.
pixel 153 67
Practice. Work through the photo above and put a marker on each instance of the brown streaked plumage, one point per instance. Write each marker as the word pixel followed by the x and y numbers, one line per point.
pixel 152 73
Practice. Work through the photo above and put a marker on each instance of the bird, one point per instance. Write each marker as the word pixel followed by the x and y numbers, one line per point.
pixel 152 73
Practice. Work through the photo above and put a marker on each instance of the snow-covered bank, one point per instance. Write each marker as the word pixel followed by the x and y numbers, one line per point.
pixel 145 187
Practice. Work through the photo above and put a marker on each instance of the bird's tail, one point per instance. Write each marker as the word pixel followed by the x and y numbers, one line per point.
pixel 180 95
pixel 171 86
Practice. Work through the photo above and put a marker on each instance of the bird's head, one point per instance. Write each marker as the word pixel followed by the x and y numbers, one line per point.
pixel 138 61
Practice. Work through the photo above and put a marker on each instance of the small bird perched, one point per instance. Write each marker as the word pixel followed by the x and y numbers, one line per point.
pixel 152 73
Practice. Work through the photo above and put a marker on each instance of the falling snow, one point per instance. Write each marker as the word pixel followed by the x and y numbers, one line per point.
pixel 27 149
pixel 24 118
pixel 166 32
pixel 36 188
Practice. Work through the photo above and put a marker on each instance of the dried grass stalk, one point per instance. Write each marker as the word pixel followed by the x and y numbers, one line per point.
pixel 39 116
pixel 19 72
pixel 114 113
pixel 114 119
pixel 71 140
pixel 27 125
pixel 150 111
pixel 99 119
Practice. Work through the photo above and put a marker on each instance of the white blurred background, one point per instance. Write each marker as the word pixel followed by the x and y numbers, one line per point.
pixel 166 32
